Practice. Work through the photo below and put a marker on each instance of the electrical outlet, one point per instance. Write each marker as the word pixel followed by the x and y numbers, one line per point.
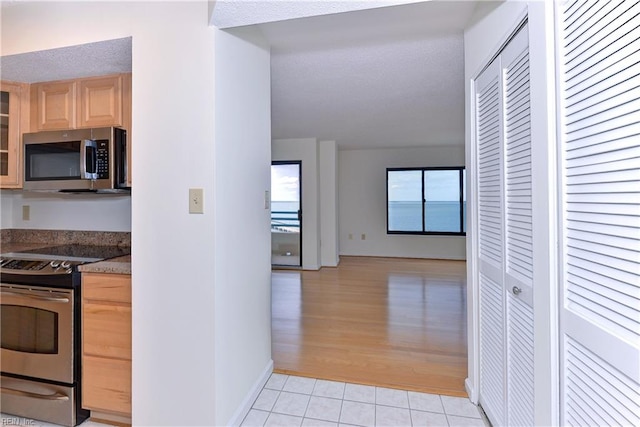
pixel 196 200
pixel 350 236
pixel 26 212
pixel 363 236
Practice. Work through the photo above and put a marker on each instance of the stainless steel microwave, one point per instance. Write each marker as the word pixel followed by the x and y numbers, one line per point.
pixel 77 160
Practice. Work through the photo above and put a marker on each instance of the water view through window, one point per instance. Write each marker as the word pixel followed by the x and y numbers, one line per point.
pixel 426 200
pixel 286 213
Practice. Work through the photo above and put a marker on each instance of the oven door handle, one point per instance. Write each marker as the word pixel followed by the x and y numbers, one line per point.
pixel 36 297
pixel 55 396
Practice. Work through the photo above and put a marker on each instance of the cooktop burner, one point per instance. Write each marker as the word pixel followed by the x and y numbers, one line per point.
pixel 56 260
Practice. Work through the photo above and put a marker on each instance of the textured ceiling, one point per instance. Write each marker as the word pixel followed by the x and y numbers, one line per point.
pixel 408 93
pixel 91 59
pixel 383 77
pixel 236 13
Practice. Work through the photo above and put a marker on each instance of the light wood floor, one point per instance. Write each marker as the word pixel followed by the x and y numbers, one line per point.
pixel 398 323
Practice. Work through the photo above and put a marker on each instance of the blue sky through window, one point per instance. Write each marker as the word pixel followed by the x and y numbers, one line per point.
pixel 440 186
pixel 285 183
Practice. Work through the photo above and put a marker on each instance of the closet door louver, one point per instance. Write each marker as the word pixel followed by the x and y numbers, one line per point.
pixel 599 109
pixel 489 137
pixel 518 230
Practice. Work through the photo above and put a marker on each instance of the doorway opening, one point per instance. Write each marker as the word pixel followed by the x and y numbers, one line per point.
pixel 286 213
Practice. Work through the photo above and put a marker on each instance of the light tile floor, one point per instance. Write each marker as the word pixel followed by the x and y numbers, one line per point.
pixel 297 401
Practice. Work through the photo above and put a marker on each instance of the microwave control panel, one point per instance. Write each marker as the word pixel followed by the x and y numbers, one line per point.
pixel 102 155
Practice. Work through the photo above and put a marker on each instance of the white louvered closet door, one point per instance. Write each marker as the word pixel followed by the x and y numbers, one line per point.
pixel 519 230
pixel 599 116
pixel 505 243
pixel 489 137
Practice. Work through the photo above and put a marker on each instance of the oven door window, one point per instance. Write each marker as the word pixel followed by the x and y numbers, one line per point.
pixel 29 330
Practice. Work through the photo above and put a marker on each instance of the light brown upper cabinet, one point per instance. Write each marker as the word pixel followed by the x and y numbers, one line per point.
pixel 53 105
pixel 14 119
pixel 82 103
pixel 100 102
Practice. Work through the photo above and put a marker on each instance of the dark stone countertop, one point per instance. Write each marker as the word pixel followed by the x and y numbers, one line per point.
pixel 19 240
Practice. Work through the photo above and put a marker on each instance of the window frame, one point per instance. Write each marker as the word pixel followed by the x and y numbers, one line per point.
pixel 460 170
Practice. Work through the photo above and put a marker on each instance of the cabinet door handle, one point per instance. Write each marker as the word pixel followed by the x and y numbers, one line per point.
pixel 516 290
pixel 36 297
pixel 54 396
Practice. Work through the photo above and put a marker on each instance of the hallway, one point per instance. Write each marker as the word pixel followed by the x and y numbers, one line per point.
pixel 387 322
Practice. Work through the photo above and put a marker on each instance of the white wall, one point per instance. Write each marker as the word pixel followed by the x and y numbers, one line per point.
pixel 242 221
pixel 328 161
pixel 305 150
pixel 486 33
pixel 174 380
pixel 363 205
pixel 6 209
pixel 67 211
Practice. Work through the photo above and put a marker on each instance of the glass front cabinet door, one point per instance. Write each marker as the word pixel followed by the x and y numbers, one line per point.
pixel 12 120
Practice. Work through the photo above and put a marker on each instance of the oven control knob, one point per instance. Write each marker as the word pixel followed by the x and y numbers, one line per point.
pixel 65 264
pixel 55 264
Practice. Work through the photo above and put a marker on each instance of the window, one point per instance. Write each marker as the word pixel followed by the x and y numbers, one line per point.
pixel 426 201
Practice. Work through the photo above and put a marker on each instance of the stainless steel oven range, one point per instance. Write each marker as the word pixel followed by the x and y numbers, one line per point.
pixel 40 331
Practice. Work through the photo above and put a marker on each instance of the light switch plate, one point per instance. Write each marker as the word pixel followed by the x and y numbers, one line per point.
pixel 196 201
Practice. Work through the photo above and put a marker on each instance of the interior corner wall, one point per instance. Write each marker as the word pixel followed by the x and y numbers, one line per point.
pixel 306 151
pixel 362 203
pixel 328 159
pixel 173 150
pixel 242 222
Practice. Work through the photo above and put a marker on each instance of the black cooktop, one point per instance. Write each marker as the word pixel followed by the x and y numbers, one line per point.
pixel 53 266
pixel 82 251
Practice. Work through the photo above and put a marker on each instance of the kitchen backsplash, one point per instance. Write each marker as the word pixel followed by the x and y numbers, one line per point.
pixel 63 237
pixel 57 211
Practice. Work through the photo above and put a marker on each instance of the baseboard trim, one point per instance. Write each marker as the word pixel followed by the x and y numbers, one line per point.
pixel 471 391
pixel 245 406
pixel 113 419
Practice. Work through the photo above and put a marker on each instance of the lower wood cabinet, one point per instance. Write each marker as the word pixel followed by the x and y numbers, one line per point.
pixel 106 345
pixel 107 385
